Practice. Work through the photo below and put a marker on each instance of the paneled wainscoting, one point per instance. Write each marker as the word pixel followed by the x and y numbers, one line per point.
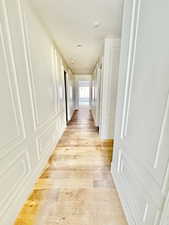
pixel 76 187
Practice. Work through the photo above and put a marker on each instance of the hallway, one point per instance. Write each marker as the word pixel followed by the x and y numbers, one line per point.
pixel 76 187
pixel 58 60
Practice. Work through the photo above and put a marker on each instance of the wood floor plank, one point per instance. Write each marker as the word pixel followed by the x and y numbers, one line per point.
pixel 77 187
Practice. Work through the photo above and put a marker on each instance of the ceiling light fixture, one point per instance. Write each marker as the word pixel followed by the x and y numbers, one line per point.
pixel 79 45
pixel 96 24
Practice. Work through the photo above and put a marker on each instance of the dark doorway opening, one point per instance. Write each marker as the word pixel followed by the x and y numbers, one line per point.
pixel 66 97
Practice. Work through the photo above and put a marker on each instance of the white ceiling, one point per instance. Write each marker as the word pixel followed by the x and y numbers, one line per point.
pixel 71 23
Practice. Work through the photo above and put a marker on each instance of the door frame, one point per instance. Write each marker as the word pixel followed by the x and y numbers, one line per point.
pixel 66 97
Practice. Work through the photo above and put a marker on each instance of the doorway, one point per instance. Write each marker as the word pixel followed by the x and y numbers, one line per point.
pixel 66 97
pixel 84 93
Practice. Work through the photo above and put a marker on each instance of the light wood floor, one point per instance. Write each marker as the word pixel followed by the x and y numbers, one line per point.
pixel 77 187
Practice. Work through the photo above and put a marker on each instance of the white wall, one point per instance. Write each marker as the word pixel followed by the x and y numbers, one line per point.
pixel 96 93
pixel 141 157
pixel 104 85
pixel 77 78
pixel 70 93
pixel 32 115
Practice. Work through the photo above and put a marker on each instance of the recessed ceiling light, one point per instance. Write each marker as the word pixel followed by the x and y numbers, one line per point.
pixel 79 45
pixel 96 24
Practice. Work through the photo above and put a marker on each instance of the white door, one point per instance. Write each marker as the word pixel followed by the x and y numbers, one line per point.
pixel 141 159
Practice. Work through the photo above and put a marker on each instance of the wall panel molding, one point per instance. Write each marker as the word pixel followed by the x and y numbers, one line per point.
pixel 141 158
pixel 162 130
pixel 13 91
pixel 44 140
pixel 21 165
pixel 31 74
pixel 130 65
pixel 28 135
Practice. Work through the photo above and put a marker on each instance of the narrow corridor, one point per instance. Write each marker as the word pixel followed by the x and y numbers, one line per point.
pixel 80 81
pixel 76 187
